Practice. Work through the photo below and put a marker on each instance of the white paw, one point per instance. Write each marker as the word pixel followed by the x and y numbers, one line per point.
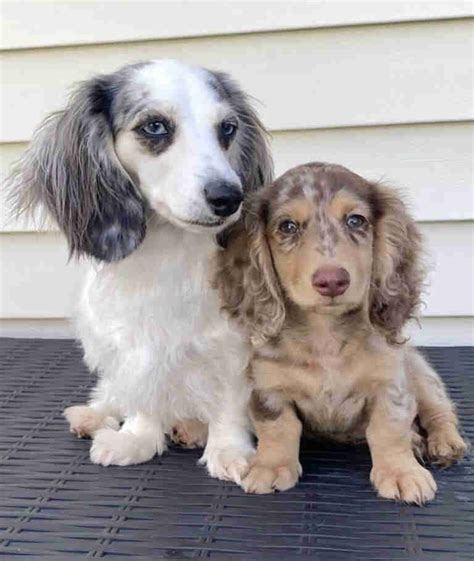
pixel 123 448
pixel 84 421
pixel 228 464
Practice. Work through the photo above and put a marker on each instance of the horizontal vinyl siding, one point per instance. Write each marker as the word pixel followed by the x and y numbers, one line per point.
pixel 391 100
pixel 70 23
pixel 381 74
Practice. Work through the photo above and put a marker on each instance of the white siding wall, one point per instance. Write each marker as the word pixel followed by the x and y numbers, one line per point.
pixel 385 88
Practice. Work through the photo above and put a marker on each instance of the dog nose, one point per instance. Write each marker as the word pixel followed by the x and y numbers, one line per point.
pixel 224 198
pixel 331 281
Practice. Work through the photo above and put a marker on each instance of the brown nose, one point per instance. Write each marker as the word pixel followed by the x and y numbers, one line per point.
pixel 331 281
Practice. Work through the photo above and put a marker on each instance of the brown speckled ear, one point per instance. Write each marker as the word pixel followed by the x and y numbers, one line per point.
pixel 246 277
pixel 398 272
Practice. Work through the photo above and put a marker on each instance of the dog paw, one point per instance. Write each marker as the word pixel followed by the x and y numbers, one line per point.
pixel 190 434
pixel 263 478
pixel 228 464
pixel 446 446
pixel 110 447
pixel 84 421
pixel 413 484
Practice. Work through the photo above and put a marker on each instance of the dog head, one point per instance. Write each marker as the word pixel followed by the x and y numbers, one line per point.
pixel 160 137
pixel 328 241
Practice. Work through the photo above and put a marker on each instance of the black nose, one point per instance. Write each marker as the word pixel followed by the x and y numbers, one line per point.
pixel 223 198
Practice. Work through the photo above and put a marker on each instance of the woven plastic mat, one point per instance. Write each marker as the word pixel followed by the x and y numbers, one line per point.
pixel 55 504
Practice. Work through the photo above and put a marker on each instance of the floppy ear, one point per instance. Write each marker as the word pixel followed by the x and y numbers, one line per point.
pixel 255 165
pixel 254 162
pixel 247 280
pixel 398 272
pixel 71 169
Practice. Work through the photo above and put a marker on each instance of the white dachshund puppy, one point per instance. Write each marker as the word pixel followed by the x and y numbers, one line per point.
pixel 143 171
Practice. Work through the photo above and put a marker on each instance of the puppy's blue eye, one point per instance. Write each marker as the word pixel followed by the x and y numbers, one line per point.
pixel 228 128
pixel 288 227
pixel 355 221
pixel 155 128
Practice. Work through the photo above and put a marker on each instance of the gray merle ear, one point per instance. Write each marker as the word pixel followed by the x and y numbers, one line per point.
pixel 255 165
pixel 71 169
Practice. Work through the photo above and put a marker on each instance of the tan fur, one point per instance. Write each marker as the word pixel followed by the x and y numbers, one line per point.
pixel 340 362
pixel 276 466
pixel 190 433
pixel 436 412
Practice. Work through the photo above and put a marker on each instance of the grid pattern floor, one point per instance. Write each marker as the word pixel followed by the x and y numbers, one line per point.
pixel 56 505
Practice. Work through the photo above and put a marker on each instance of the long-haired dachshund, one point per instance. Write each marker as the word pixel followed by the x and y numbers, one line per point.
pixel 324 279
pixel 143 171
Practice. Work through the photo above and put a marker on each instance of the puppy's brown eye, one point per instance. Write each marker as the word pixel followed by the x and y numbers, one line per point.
pixel 355 221
pixel 288 227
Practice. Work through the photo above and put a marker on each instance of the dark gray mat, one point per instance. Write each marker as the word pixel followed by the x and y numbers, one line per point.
pixel 54 504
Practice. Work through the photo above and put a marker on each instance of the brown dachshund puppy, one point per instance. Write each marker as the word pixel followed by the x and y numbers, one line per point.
pixel 323 280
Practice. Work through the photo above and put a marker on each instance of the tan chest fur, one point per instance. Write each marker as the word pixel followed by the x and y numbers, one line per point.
pixel 331 388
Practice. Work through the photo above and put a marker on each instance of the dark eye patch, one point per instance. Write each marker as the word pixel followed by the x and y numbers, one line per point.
pixel 226 131
pixel 155 133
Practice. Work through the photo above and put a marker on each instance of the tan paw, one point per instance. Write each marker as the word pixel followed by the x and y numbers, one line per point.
pixel 445 445
pixel 190 434
pixel 263 478
pixel 84 421
pixel 410 484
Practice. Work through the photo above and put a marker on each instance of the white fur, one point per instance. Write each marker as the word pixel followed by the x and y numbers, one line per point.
pixel 152 329
pixel 173 182
pixel 150 324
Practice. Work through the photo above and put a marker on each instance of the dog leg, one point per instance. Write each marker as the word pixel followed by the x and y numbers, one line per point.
pixel 139 439
pixel 229 448
pixel 436 411
pixel 276 466
pixel 190 433
pixel 229 444
pixel 396 474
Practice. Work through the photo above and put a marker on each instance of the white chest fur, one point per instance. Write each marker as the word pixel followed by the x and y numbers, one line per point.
pixel 152 328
